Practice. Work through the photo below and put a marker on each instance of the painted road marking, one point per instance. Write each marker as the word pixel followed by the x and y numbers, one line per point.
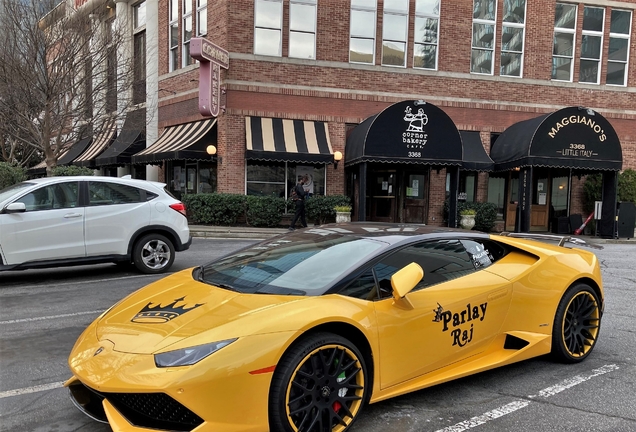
pixel 519 404
pixel 34 389
pixel 23 320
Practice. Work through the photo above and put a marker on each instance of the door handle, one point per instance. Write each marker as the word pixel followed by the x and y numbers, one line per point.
pixel 72 215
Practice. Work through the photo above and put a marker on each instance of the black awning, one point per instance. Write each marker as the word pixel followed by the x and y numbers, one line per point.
pixel 573 137
pixel 475 156
pixel 406 132
pixel 99 144
pixel 77 149
pixel 285 140
pixel 183 141
pixel 131 139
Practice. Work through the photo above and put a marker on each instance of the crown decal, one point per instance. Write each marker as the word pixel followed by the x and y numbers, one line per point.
pixel 155 313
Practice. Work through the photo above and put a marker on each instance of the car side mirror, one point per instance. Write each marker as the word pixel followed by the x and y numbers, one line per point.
pixel 16 207
pixel 405 279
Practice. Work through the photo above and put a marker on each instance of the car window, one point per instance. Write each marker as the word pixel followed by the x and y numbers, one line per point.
pixel 441 260
pixel 483 253
pixel 106 193
pixel 363 287
pixel 56 196
pixel 13 190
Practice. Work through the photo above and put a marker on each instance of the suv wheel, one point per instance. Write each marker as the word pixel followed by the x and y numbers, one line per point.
pixel 153 253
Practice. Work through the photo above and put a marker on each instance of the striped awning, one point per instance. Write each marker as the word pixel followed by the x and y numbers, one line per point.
pixel 130 140
pixel 184 141
pixel 41 167
pixel 103 140
pixel 77 149
pixel 283 140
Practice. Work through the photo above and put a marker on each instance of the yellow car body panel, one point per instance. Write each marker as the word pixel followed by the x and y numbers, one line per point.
pixel 426 337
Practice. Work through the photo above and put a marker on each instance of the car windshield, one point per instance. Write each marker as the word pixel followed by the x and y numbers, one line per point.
pixel 293 265
pixel 7 193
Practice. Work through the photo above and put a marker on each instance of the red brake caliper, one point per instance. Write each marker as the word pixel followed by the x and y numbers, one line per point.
pixel 336 406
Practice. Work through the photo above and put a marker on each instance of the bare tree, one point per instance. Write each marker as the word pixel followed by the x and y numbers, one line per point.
pixel 60 77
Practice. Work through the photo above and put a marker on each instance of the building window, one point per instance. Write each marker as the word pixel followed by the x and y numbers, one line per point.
pixel 395 28
pixel 302 29
pixel 268 24
pixel 278 178
pixel 186 59
pixel 619 43
pixel 467 186
pixel 426 34
pixel 497 193
pixel 484 15
pixel 591 45
pixel 174 35
pixel 563 45
pixel 139 53
pixel 512 38
pixel 362 31
pixel 202 17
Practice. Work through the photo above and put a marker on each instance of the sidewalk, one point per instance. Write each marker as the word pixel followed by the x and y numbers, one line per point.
pixel 254 233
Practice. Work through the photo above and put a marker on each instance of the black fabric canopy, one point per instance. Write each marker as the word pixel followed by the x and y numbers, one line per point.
pixel 131 139
pixel 573 137
pixel 407 132
pixel 475 156
pixel 77 149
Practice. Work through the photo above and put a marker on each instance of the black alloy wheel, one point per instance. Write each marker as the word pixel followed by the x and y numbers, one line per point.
pixel 576 324
pixel 319 386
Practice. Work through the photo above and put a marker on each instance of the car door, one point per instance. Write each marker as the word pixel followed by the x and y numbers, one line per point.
pixel 114 212
pixel 52 227
pixel 453 313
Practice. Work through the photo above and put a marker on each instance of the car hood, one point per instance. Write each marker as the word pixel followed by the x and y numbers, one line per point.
pixel 178 307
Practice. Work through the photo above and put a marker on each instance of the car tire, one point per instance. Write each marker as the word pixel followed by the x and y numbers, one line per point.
pixel 303 397
pixel 576 324
pixel 153 253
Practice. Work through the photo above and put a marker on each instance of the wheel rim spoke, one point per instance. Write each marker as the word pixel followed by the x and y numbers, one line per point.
pixel 581 324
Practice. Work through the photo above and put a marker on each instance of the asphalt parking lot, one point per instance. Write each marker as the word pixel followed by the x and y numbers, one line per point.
pixel 42 312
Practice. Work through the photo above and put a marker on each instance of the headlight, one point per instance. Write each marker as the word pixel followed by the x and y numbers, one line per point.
pixel 189 356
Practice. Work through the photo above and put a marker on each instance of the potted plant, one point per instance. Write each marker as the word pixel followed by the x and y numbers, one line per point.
pixel 467 220
pixel 343 213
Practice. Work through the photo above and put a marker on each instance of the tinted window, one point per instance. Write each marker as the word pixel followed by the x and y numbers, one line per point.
pixel 104 193
pixel 483 253
pixel 57 196
pixel 363 287
pixel 12 190
pixel 441 260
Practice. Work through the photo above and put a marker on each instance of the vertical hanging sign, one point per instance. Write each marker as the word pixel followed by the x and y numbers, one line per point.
pixel 211 59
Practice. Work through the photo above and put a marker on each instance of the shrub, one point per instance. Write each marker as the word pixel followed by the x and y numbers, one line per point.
pixel 72 170
pixel 485 214
pixel 342 208
pixel 593 189
pixel 320 208
pixel 11 174
pixel 627 186
pixel 264 211
pixel 214 208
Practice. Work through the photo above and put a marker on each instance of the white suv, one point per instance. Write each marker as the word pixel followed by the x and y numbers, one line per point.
pixel 60 221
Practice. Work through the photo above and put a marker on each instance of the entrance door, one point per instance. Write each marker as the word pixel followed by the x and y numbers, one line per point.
pixel 382 188
pixel 415 188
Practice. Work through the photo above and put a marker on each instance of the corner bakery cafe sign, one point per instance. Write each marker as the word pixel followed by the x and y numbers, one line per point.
pixel 211 59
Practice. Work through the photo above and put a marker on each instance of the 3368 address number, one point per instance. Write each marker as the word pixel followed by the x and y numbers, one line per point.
pixel 415 154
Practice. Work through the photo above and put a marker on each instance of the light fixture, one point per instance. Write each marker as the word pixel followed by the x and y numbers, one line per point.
pixel 561 186
pixel 110 4
pixel 211 150
pixel 337 157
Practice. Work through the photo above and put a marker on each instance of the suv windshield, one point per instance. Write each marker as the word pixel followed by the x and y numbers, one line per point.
pixel 290 265
pixel 7 193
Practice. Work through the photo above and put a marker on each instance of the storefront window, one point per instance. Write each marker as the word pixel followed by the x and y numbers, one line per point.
pixel 278 178
pixel 497 194
pixel 559 200
pixel 314 176
pixel 207 177
pixel 195 177
pixel 467 186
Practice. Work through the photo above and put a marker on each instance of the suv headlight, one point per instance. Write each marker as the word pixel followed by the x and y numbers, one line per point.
pixel 189 356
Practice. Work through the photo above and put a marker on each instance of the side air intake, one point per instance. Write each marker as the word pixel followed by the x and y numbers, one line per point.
pixel 515 343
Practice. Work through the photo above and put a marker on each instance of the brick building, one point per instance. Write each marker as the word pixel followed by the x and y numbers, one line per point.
pixel 298 68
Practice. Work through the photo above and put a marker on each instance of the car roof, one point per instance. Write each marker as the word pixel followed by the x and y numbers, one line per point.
pixel 391 233
pixel 127 180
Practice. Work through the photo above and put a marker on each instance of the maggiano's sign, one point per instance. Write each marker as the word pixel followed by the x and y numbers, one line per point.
pixel 580 119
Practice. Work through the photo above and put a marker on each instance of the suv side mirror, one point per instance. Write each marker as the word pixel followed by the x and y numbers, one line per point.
pixel 15 207
pixel 405 279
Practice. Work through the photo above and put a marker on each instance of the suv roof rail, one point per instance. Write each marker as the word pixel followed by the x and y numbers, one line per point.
pixel 561 240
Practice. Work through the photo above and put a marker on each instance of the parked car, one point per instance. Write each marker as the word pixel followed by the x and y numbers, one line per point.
pixel 61 221
pixel 299 332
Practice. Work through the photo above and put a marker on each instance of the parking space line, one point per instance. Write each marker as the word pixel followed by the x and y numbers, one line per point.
pixel 34 389
pixel 519 404
pixel 23 320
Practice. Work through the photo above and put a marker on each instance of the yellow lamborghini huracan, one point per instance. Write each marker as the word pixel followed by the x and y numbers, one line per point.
pixel 299 332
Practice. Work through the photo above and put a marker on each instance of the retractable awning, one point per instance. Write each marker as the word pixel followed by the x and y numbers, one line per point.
pixel 130 140
pixel 475 157
pixel 284 140
pixel 74 152
pixel 574 137
pixel 40 169
pixel 99 144
pixel 184 141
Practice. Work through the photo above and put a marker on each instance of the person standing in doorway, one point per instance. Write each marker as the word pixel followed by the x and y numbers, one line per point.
pixel 298 196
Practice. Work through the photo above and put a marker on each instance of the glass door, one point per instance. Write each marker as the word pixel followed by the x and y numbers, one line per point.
pixel 415 197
